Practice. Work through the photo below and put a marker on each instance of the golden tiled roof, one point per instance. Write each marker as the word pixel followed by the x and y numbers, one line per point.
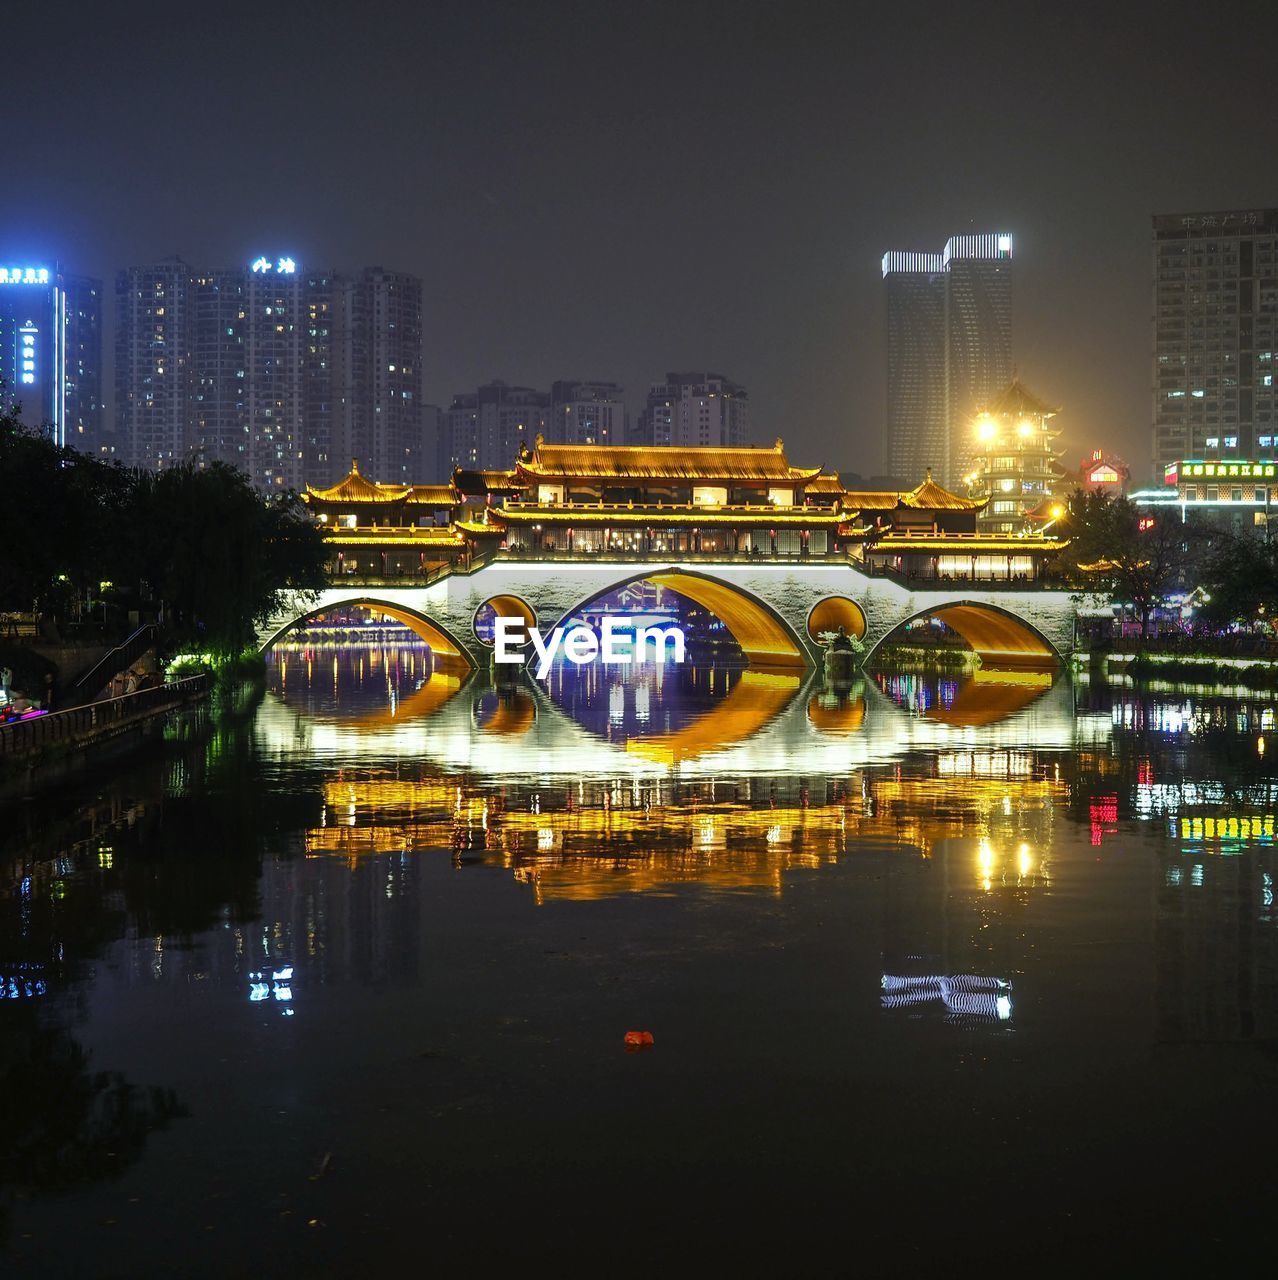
pixel 355 488
pixel 929 496
pixel 660 462
pixel 871 499
pixel 824 484
pixel 431 495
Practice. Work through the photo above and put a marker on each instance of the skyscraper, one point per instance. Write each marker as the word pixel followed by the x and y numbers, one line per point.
pixel 51 351
pixel 282 372
pixel 586 413
pixel 153 363
pixel 379 324
pixel 697 410
pixel 949 349
pixel 1215 335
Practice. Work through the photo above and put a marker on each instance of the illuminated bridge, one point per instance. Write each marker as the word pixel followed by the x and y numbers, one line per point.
pixel 779 554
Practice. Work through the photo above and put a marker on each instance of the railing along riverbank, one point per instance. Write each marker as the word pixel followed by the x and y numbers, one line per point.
pixel 81 726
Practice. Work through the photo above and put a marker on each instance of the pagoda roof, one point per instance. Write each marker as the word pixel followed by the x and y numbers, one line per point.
pixel 431 495
pixel 356 488
pixel 929 496
pixel 824 483
pixel 871 499
pixel 1016 400
pixel 660 462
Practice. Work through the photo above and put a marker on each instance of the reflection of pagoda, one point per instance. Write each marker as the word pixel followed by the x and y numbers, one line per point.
pixel 1016 466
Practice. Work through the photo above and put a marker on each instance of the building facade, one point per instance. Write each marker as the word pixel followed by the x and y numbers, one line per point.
pixel 1215 334
pixel 586 413
pixel 1016 466
pixel 1234 496
pixel 485 428
pixel 282 372
pixel 51 351
pixel 694 410
pixel 949 349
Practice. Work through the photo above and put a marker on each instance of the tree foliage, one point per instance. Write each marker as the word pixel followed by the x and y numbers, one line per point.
pixel 1240 581
pixel 1139 557
pixel 196 540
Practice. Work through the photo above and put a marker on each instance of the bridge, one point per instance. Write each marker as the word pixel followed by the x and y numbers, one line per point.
pixel 775 610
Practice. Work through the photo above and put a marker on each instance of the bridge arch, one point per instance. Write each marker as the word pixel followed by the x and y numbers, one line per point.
pixel 442 642
pixel 765 637
pixel 999 637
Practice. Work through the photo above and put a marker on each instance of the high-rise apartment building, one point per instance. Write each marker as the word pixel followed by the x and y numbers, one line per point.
pixel 379 321
pixel 695 410
pixel 486 428
pixel 586 413
pixel 282 372
pixel 153 363
pixel 949 349
pixel 1215 335
pixel 51 351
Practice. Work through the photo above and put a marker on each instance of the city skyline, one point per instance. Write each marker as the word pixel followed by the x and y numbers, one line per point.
pixel 742 222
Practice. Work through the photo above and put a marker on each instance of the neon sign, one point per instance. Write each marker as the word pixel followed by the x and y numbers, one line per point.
pixel 264 266
pixel 24 275
pixel 27 354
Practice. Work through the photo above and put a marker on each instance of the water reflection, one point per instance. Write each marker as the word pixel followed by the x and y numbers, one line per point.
pixel 448 891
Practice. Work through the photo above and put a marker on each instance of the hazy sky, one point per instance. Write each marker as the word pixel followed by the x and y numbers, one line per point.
pixel 613 190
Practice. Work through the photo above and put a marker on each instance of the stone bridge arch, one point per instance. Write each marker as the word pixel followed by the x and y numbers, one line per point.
pixel 998 635
pixel 444 644
pixel 765 637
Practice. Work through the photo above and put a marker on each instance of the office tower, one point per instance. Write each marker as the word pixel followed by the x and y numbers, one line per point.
pixel 51 350
pixel 153 363
pixel 949 350
pixel 486 429
pixel 1215 313
pixel 586 413
pixel 379 323
pixel 695 410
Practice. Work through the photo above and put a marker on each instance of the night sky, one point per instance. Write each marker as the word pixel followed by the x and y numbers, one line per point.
pixel 611 191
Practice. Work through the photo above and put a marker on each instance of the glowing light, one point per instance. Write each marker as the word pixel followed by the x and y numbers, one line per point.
pixel 24 275
pixel 986 428
pixel 1026 428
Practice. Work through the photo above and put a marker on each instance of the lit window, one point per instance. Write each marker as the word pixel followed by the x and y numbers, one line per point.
pixel 1231 442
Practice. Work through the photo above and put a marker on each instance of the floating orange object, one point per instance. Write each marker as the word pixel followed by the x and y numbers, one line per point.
pixel 638 1039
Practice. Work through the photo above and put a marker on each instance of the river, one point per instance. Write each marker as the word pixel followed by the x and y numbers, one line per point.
pixel 335 980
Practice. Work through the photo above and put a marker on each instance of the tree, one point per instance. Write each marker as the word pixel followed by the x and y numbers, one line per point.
pixel 59 524
pixel 219 555
pixel 1240 578
pixel 1140 557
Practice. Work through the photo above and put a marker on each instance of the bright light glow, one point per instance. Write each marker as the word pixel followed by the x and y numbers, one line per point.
pixel 986 428
pixel 1005 244
pixel 24 275
pixel 1026 428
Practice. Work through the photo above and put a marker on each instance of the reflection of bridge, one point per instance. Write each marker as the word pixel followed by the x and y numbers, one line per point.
pixel 768 607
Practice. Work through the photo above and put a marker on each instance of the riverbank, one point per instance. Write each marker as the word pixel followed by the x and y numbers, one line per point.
pixel 39 752
pixel 1197 669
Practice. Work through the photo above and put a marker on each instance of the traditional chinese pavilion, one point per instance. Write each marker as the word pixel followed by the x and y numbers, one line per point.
pixel 585 500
